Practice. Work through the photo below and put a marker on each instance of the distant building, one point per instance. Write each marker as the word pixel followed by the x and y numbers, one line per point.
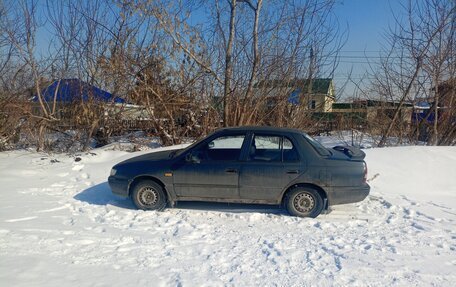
pixel 316 95
pixel 66 91
pixel 370 110
pixel 67 99
pixel 424 115
pixel 63 95
pixel 447 94
pixel 424 109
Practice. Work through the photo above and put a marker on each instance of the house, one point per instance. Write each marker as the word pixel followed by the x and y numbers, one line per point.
pixel 360 114
pixel 66 91
pixel 447 92
pixel 424 108
pixel 316 95
pixel 371 110
pixel 70 101
pixel 424 115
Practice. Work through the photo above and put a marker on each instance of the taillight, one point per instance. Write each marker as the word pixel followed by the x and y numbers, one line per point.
pixel 365 172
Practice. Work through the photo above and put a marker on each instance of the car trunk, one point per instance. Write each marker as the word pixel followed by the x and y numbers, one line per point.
pixel 351 152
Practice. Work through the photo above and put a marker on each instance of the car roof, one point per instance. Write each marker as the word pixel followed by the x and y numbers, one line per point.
pixel 261 129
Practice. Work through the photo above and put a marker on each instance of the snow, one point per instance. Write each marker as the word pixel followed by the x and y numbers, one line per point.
pixel 61 226
pixel 361 139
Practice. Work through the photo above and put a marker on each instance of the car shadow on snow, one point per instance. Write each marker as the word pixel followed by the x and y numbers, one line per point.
pixel 230 207
pixel 101 194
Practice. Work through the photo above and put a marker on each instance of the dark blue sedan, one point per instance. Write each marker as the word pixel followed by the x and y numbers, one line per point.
pixel 262 165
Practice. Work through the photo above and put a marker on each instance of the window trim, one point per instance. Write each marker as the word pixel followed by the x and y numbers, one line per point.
pixel 293 147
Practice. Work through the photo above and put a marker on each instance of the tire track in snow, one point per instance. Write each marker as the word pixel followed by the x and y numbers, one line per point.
pixel 21 219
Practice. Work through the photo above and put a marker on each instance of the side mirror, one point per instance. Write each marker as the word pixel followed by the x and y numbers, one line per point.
pixel 190 157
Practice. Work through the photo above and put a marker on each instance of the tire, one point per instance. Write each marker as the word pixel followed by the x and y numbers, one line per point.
pixel 148 195
pixel 304 202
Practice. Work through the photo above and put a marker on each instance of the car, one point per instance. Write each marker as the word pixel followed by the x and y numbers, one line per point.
pixel 256 165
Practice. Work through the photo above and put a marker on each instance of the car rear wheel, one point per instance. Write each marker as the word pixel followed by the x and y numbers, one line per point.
pixel 148 195
pixel 304 202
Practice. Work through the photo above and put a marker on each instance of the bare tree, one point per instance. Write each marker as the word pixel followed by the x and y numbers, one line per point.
pixel 190 74
pixel 21 32
pixel 420 57
pixel 245 42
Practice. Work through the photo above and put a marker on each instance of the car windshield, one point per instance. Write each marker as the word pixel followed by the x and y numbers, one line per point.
pixel 317 146
pixel 177 152
pixel 180 151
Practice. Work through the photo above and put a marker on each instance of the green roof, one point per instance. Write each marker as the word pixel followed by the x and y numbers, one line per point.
pixel 368 103
pixel 319 85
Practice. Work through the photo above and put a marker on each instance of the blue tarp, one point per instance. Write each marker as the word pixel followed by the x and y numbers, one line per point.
pixel 294 97
pixel 71 90
pixel 419 115
pixel 423 105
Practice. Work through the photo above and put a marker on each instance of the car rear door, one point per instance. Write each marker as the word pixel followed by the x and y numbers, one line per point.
pixel 211 169
pixel 272 163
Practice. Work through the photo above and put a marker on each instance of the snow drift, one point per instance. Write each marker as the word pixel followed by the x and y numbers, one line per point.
pixel 60 225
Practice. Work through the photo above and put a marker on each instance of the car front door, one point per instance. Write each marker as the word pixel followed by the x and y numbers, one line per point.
pixel 272 163
pixel 210 170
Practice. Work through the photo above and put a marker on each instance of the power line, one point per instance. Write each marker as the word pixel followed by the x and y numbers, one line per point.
pixel 369 57
pixel 360 51
pixel 358 62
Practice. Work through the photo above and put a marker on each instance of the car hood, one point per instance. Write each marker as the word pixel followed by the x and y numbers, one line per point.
pixel 153 156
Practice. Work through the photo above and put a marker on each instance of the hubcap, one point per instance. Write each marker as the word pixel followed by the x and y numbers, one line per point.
pixel 148 196
pixel 304 202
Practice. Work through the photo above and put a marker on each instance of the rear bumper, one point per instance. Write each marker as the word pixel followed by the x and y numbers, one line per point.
pixel 350 194
pixel 119 186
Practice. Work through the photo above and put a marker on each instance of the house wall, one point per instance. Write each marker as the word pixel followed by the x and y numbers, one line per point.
pixel 373 113
pixel 127 112
pixel 323 103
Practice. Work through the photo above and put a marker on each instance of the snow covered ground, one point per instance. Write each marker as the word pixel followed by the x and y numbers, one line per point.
pixel 61 226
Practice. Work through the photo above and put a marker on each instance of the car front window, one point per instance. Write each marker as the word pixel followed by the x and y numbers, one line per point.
pixel 224 148
pixel 227 142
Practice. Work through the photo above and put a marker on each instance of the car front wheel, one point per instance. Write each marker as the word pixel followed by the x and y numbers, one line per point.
pixel 148 195
pixel 304 202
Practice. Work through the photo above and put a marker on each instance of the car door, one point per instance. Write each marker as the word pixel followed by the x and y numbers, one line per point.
pixel 210 170
pixel 272 162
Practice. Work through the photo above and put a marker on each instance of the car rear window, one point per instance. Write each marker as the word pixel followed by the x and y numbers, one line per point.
pixel 317 146
pixel 272 148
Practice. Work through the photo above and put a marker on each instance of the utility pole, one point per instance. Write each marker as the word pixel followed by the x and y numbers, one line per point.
pixel 310 76
pixel 229 67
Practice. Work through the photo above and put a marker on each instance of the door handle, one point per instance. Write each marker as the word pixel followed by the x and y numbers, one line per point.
pixel 231 170
pixel 294 171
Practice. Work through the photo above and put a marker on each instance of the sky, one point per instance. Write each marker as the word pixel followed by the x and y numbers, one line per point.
pixel 367 21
